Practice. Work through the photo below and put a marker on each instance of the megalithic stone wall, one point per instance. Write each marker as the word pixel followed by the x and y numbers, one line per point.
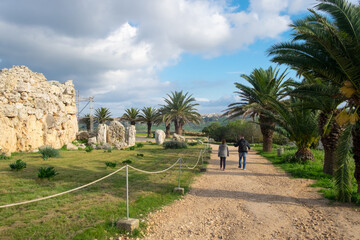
pixel 35 112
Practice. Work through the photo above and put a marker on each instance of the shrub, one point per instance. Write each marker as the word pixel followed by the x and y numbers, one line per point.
pixel 18 165
pixel 193 143
pixel 174 145
pixel 2 156
pixel 48 152
pixel 139 145
pixel 128 161
pixel 110 164
pixel 48 173
pixel 132 148
pixel 89 148
pixel 140 155
pixel 108 150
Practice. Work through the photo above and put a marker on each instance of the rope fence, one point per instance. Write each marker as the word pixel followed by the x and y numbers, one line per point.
pixel 202 151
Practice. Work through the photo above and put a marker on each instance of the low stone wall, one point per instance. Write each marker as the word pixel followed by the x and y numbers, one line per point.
pixel 35 112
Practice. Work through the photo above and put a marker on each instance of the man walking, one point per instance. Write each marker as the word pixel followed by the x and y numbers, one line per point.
pixel 243 149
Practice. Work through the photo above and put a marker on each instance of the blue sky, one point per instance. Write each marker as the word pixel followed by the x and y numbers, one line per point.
pixel 132 53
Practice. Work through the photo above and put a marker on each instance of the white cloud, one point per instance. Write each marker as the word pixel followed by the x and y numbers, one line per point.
pixel 115 49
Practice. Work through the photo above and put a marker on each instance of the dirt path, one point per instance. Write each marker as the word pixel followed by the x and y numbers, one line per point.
pixel 261 202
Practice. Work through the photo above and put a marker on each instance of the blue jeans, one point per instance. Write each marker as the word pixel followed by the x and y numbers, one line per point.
pixel 242 155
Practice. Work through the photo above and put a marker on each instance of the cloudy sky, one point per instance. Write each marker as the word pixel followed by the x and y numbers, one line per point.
pixel 131 53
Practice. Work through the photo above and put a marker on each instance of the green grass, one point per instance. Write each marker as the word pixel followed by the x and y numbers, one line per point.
pixel 89 213
pixel 310 170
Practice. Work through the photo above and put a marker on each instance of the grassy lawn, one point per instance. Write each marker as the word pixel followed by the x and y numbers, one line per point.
pixel 91 212
pixel 309 170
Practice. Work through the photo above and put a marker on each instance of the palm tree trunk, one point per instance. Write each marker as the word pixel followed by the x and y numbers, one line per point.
pixel 180 129
pixel 267 129
pixel 304 154
pixel 330 142
pixel 167 131
pixel 149 129
pixel 356 143
pixel 177 127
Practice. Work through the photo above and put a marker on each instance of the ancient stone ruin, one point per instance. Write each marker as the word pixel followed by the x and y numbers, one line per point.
pixel 159 136
pixel 35 112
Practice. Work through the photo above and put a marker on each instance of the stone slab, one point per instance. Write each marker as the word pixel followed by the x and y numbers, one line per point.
pixel 128 224
pixel 179 190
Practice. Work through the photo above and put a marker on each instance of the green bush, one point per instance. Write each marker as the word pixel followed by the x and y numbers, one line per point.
pixel 109 150
pixel 110 164
pixel 2 156
pixel 140 155
pixel 193 143
pixel 128 161
pixel 48 152
pixel 174 145
pixel 18 165
pixel 89 148
pixel 48 173
pixel 132 148
pixel 139 145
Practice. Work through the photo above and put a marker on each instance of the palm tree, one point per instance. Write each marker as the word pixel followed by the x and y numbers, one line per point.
pixel 329 47
pixel 163 117
pixel 180 108
pixel 102 115
pixel 131 115
pixel 265 84
pixel 319 96
pixel 149 115
pixel 297 123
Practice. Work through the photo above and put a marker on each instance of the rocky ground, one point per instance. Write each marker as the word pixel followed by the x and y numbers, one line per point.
pixel 261 202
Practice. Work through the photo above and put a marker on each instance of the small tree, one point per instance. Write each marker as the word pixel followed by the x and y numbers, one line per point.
pixel 132 115
pixel 102 115
pixel 149 115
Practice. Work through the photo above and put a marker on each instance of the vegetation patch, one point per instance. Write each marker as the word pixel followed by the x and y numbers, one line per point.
pixel 174 145
pixel 48 172
pixel 49 152
pixel 18 165
pixel 110 164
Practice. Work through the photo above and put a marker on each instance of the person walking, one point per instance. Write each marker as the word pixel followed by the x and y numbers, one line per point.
pixel 244 146
pixel 223 152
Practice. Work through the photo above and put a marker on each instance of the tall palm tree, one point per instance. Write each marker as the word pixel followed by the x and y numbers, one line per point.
pixel 297 123
pixel 149 115
pixel 318 95
pixel 132 115
pixel 102 115
pixel 329 47
pixel 265 84
pixel 180 108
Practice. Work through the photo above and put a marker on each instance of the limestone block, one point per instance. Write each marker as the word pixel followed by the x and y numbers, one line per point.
pixel 83 135
pixel 92 140
pixel 101 136
pixel 178 138
pixel 131 136
pixel 116 134
pixel 159 136
pixel 50 121
pixel 71 146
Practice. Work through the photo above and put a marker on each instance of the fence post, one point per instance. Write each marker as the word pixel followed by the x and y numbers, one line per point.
pixel 128 224
pixel 179 189
pixel 202 169
pixel 127 192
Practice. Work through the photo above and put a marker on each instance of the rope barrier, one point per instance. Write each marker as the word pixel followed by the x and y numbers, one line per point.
pixel 100 179
pixel 156 171
pixel 62 193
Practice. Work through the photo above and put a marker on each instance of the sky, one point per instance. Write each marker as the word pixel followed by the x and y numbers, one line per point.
pixel 132 53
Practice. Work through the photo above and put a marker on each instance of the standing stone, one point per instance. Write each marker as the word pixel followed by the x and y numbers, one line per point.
pixel 92 140
pixel 116 134
pixel 159 136
pixel 35 112
pixel 178 138
pixel 101 134
pixel 131 138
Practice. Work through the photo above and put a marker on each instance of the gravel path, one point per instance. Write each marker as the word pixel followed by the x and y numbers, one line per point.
pixel 261 202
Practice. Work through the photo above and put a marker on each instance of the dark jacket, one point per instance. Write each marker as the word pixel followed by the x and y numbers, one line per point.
pixel 243 145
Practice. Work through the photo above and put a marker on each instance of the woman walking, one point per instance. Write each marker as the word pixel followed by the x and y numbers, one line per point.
pixel 223 152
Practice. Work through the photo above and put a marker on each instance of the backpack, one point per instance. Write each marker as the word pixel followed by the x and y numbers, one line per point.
pixel 242 146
